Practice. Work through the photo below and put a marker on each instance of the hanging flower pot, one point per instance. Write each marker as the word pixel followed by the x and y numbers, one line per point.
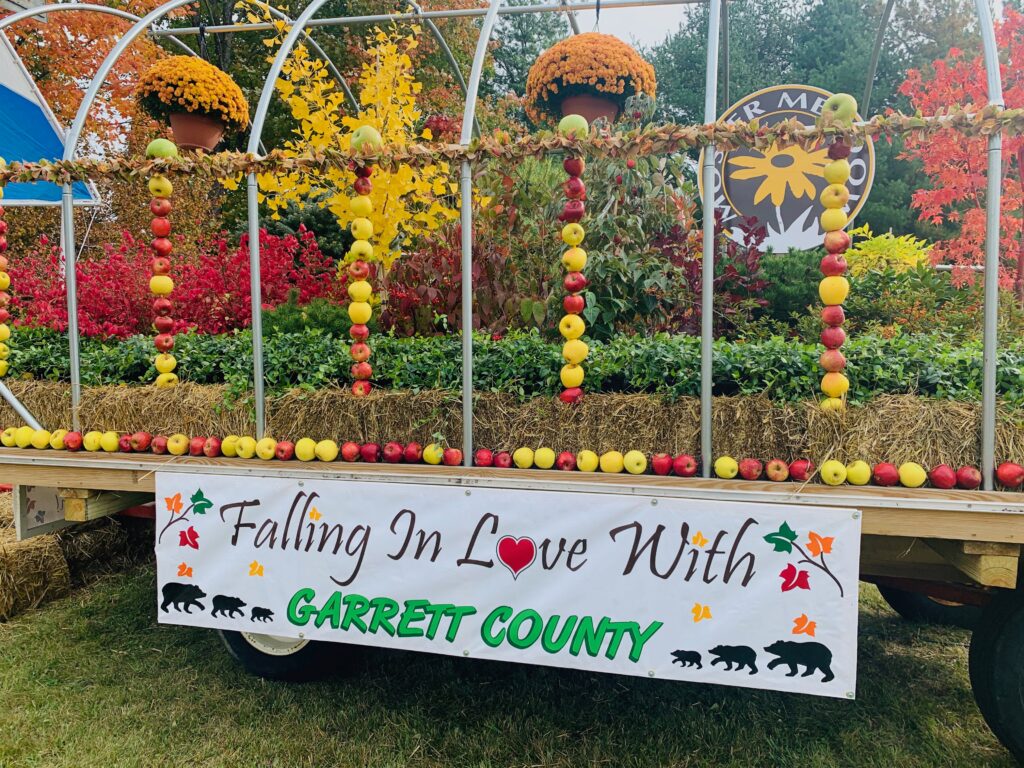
pixel 590 75
pixel 200 101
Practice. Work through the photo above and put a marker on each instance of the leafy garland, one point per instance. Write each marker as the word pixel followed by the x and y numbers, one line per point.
pixel 650 140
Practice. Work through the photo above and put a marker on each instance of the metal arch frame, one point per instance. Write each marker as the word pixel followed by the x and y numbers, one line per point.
pixel 993 202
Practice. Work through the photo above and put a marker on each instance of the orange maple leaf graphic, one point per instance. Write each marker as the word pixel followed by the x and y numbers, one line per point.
pixel 255 568
pixel 818 544
pixel 699 540
pixel 184 569
pixel 314 514
pixel 804 626
pixel 700 612
pixel 173 503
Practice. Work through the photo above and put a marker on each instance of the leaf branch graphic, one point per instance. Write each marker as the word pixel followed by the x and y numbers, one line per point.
pixel 785 540
pixel 199 505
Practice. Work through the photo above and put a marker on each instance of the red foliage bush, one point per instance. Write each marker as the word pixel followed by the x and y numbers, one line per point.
pixel 211 293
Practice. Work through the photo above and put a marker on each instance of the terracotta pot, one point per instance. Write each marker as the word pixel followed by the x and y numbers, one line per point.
pixel 590 107
pixel 195 131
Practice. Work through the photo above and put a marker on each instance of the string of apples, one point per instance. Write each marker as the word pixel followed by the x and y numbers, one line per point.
pixel 5 284
pixel 839 109
pixel 574 260
pixel 160 283
pixel 360 291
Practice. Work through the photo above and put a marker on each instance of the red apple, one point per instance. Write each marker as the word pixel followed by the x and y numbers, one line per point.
pixel 162 306
pixel 285 450
pixel 359 332
pixel 3 243
pixel 413 453
pixel 503 460
pixel 483 457
pixel 575 189
pixel 369 452
pixel 833 315
pixel 661 464
pixel 574 304
pixel 1010 474
pixel 777 470
pixel 833 337
pixel 684 465
pixel 393 452
pixel 350 451
pixel 572 211
pixel 162 246
pixel 125 444
pixel 364 171
pixel 164 342
pixel 833 264
pixel 4 315
pixel 574 166
pixel 968 477
pixel 360 352
pixel 211 447
pixel 160 206
pixel 566 461
pixel 885 474
pixel 159 444
pixel 361 371
pixel 837 150
pixel 361 388
pixel 160 226
pixel 73 441
pixel 362 186
pixel 161 265
pixel 196 446
pixel 140 441
pixel 832 360
pixel 571 395
pixel 5 298
pixel 942 476
pixel 751 469
pixel 837 241
pixel 801 470
pixel 452 457
pixel 359 270
pixel 164 324
pixel 575 282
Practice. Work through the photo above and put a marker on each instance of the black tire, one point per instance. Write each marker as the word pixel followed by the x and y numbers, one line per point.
pixel 914 606
pixel 996 664
pixel 291 660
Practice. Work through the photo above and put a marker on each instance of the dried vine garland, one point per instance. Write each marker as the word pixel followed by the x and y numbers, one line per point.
pixel 650 140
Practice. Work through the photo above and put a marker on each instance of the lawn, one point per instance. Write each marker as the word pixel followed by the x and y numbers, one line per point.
pixel 92 680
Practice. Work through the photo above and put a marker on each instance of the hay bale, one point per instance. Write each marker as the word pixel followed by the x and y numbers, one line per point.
pixel 104 546
pixel 31 572
pixel 6 510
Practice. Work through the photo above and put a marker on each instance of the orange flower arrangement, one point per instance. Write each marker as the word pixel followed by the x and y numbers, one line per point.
pixel 590 63
pixel 191 84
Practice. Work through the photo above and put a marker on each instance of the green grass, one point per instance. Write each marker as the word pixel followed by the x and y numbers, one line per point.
pixel 93 681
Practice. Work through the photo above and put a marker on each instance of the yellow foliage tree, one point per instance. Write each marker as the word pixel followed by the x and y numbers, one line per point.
pixel 407 201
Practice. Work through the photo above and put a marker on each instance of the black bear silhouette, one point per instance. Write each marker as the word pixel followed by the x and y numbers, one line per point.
pixel 226 605
pixel 178 594
pixel 687 659
pixel 814 656
pixel 261 614
pixel 740 655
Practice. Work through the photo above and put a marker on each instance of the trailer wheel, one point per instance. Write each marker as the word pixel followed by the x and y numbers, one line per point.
pixel 279 658
pixel 914 606
pixel 997 669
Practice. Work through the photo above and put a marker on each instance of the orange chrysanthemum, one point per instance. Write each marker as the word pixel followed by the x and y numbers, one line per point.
pixel 593 63
pixel 191 84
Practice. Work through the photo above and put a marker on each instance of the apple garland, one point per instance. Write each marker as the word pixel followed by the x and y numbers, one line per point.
pixel 5 297
pixel 571 326
pixel 160 283
pixel 360 291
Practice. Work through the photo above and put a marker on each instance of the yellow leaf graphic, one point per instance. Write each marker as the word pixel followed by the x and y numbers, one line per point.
pixel 700 612
pixel 255 568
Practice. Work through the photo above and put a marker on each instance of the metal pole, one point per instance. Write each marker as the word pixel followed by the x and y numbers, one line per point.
pixel 726 60
pixel 993 201
pixel 707 299
pixel 876 51
pixel 18 407
pixel 466 211
pixel 67 234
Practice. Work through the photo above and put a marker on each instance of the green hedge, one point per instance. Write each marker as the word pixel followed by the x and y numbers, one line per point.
pixel 527 365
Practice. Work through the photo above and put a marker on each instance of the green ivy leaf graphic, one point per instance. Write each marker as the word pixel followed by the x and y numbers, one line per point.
pixel 782 539
pixel 200 503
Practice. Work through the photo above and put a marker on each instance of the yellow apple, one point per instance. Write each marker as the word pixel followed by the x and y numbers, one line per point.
pixel 912 475
pixel 543 458
pixel 360 291
pixel 572 376
pixel 245 448
pixel 833 472
pixel 91 441
pixel 361 205
pixel 587 461
pixel 359 312
pixel 726 467
pixel 611 461
pixel 858 473
pixel 177 444
pixel 265 448
pixel 574 260
pixel 165 363
pixel 833 290
pixel 635 462
pixel 575 351
pixel 110 441
pixel 57 439
pixel 7 437
pixel 305 449
pixel 571 326
pixel 433 454
pixel 837 172
pixel 361 228
pixel 326 450
pixel 229 446
pixel 572 234
pixel 41 439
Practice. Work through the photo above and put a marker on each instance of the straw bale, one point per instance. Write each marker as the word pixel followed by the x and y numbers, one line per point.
pixel 31 572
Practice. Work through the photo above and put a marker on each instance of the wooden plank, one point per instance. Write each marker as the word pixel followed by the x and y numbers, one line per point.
pixel 988 570
pixel 904 557
pixel 76 493
pixel 103 504
pixel 989 548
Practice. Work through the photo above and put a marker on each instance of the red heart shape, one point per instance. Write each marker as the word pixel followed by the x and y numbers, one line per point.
pixel 516 554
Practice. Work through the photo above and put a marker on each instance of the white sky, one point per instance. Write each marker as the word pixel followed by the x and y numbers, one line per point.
pixel 645 25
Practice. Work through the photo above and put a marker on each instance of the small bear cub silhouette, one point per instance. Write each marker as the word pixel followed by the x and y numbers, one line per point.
pixel 179 595
pixel 814 656
pixel 227 606
pixel 740 655
pixel 261 614
pixel 687 659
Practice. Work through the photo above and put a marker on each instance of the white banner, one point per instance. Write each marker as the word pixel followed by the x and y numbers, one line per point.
pixel 754 595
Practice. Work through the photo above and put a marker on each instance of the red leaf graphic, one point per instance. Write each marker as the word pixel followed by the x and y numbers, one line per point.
pixel 189 538
pixel 794 579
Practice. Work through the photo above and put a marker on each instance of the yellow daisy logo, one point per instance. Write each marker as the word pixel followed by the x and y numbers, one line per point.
pixel 783 172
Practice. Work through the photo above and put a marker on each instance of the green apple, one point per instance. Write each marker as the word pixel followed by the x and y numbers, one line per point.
pixel 574 125
pixel 367 136
pixel 841 107
pixel 161 148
